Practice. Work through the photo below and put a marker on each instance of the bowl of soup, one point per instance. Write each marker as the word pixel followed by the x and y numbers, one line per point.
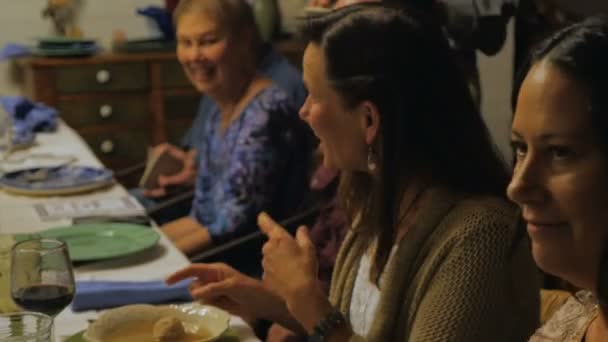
pixel 150 323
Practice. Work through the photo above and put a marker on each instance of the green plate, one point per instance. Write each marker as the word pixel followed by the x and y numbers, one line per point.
pixel 65 52
pixel 76 337
pixel 95 241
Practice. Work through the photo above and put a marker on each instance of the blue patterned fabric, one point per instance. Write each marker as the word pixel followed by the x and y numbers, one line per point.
pixel 260 162
pixel 274 66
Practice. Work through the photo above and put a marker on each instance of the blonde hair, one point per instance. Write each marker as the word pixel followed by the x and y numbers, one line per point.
pixel 233 16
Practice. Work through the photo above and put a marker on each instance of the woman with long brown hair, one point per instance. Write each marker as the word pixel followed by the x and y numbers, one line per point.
pixel 434 252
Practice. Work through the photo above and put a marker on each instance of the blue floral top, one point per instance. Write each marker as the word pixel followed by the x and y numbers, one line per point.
pixel 259 162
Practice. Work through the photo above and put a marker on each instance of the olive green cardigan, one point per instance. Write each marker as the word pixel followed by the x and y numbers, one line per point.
pixel 463 272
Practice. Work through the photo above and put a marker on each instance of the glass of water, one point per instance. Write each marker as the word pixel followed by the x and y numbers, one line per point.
pixel 26 327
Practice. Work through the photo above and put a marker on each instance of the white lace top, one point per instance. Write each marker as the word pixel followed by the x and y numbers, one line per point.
pixel 570 322
pixel 366 295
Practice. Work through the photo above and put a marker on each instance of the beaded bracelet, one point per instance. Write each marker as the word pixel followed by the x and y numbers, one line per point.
pixel 325 327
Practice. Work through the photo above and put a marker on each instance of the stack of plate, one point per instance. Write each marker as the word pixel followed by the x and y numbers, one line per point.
pixel 144 45
pixel 56 180
pixel 65 47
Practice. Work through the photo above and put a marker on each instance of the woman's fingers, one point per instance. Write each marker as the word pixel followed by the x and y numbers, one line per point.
pixel 213 291
pixel 204 272
pixel 155 193
pixel 195 284
pixel 223 303
pixel 303 239
pixel 269 227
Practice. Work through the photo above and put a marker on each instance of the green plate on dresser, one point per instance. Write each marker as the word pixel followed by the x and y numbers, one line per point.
pixel 60 40
pixel 96 241
pixel 65 51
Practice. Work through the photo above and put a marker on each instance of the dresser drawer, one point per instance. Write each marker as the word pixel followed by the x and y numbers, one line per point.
pixel 101 77
pixel 173 75
pixel 109 110
pixel 126 145
pixel 181 107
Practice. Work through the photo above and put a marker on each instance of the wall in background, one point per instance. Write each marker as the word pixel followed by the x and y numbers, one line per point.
pixel 20 21
pixel 496 75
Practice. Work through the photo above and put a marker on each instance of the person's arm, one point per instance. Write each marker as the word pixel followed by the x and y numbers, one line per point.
pixel 221 285
pixel 468 296
pixel 188 235
pixel 290 270
pixel 183 178
pixel 309 306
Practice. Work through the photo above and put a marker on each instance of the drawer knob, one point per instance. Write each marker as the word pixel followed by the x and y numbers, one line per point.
pixel 107 146
pixel 105 111
pixel 103 76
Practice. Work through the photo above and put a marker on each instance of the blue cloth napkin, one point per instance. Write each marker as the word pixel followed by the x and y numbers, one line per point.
pixel 162 18
pixel 94 295
pixel 13 50
pixel 28 118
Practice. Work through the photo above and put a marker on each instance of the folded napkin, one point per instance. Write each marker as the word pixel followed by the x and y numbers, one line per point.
pixel 28 117
pixel 12 50
pixel 94 295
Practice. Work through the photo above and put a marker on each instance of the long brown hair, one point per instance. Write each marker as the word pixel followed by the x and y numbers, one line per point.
pixel 430 129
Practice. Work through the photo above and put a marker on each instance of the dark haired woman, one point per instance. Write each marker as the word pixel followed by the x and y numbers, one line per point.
pixel 434 252
pixel 560 139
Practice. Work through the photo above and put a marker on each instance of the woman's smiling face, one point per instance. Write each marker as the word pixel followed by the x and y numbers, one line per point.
pixel 342 132
pixel 560 178
pixel 202 50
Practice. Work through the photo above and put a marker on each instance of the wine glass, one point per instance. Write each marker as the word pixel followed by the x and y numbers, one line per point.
pixel 42 279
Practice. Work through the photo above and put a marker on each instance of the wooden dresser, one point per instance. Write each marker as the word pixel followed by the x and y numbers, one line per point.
pixel 119 103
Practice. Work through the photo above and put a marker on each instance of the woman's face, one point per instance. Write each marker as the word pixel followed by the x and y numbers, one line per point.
pixel 341 132
pixel 560 178
pixel 202 50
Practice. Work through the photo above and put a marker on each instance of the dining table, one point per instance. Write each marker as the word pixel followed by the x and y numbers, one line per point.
pixel 18 216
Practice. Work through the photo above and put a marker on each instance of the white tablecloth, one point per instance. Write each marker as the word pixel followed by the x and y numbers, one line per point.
pixel 18 216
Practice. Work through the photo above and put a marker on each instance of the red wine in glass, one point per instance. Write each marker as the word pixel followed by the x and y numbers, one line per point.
pixel 48 299
pixel 42 279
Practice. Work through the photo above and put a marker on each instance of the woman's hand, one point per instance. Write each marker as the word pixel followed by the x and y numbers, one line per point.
pixel 185 177
pixel 277 333
pixel 290 269
pixel 320 3
pixel 222 286
pixel 289 264
pixel 342 3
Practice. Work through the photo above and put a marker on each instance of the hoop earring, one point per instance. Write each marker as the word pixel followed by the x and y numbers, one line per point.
pixel 371 159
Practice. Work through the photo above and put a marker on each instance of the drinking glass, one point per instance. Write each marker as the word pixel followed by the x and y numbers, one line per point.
pixel 26 327
pixel 42 279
